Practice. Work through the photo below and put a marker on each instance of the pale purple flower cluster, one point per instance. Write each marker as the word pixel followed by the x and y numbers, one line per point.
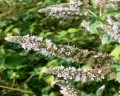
pixel 68 89
pixel 107 4
pixel 64 10
pixel 72 53
pixel 112 28
pixel 86 24
pixel 27 42
pixel 78 74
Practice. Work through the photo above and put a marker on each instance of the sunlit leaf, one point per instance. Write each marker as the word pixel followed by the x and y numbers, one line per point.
pixel 116 52
pixel 72 30
pixel 100 91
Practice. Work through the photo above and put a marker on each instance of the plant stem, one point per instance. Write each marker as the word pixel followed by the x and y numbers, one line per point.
pixel 15 89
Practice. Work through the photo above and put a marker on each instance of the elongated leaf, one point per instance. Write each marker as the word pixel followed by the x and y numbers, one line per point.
pixel 100 91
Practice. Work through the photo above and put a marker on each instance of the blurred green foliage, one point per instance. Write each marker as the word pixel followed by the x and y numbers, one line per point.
pixel 24 69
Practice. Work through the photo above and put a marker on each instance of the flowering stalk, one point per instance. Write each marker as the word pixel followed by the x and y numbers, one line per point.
pixel 107 4
pixel 86 25
pixel 111 27
pixel 74 8
pixel 68 89
pixel 64 10
pixel 72 53
pixel 81 75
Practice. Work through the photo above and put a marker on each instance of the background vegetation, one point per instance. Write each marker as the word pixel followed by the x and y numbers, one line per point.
pixel 21 71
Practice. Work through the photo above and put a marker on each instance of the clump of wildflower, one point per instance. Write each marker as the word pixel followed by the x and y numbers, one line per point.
pixel 86 24
pixel 78 74
pixel 27 42
pixel 112 4
pixel 74 8
pixel 72 53
pixel 74 1
pixel 107 4
pixel 64 10
pixel 112 28
pixel 68 89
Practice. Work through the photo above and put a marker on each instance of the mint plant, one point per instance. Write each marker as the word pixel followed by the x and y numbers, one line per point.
pixel 104 23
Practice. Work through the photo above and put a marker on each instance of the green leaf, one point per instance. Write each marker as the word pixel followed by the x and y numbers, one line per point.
pixel 93 25
pixel 26 94
pixel 72 30
pixel 52 63
pixel 100 91
pixel 110 12
pixel 106 39
pixel 116 66
pixel 42 71
pixel 2 51
pixel 53 94
pixel 12 74
pixel 94 3
pixel 8 28
pixel 118 77
pixel 116 52
pixel 62 33
pixel 16 31
pixel 2 62
pixel 13 62
pixel 50 80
